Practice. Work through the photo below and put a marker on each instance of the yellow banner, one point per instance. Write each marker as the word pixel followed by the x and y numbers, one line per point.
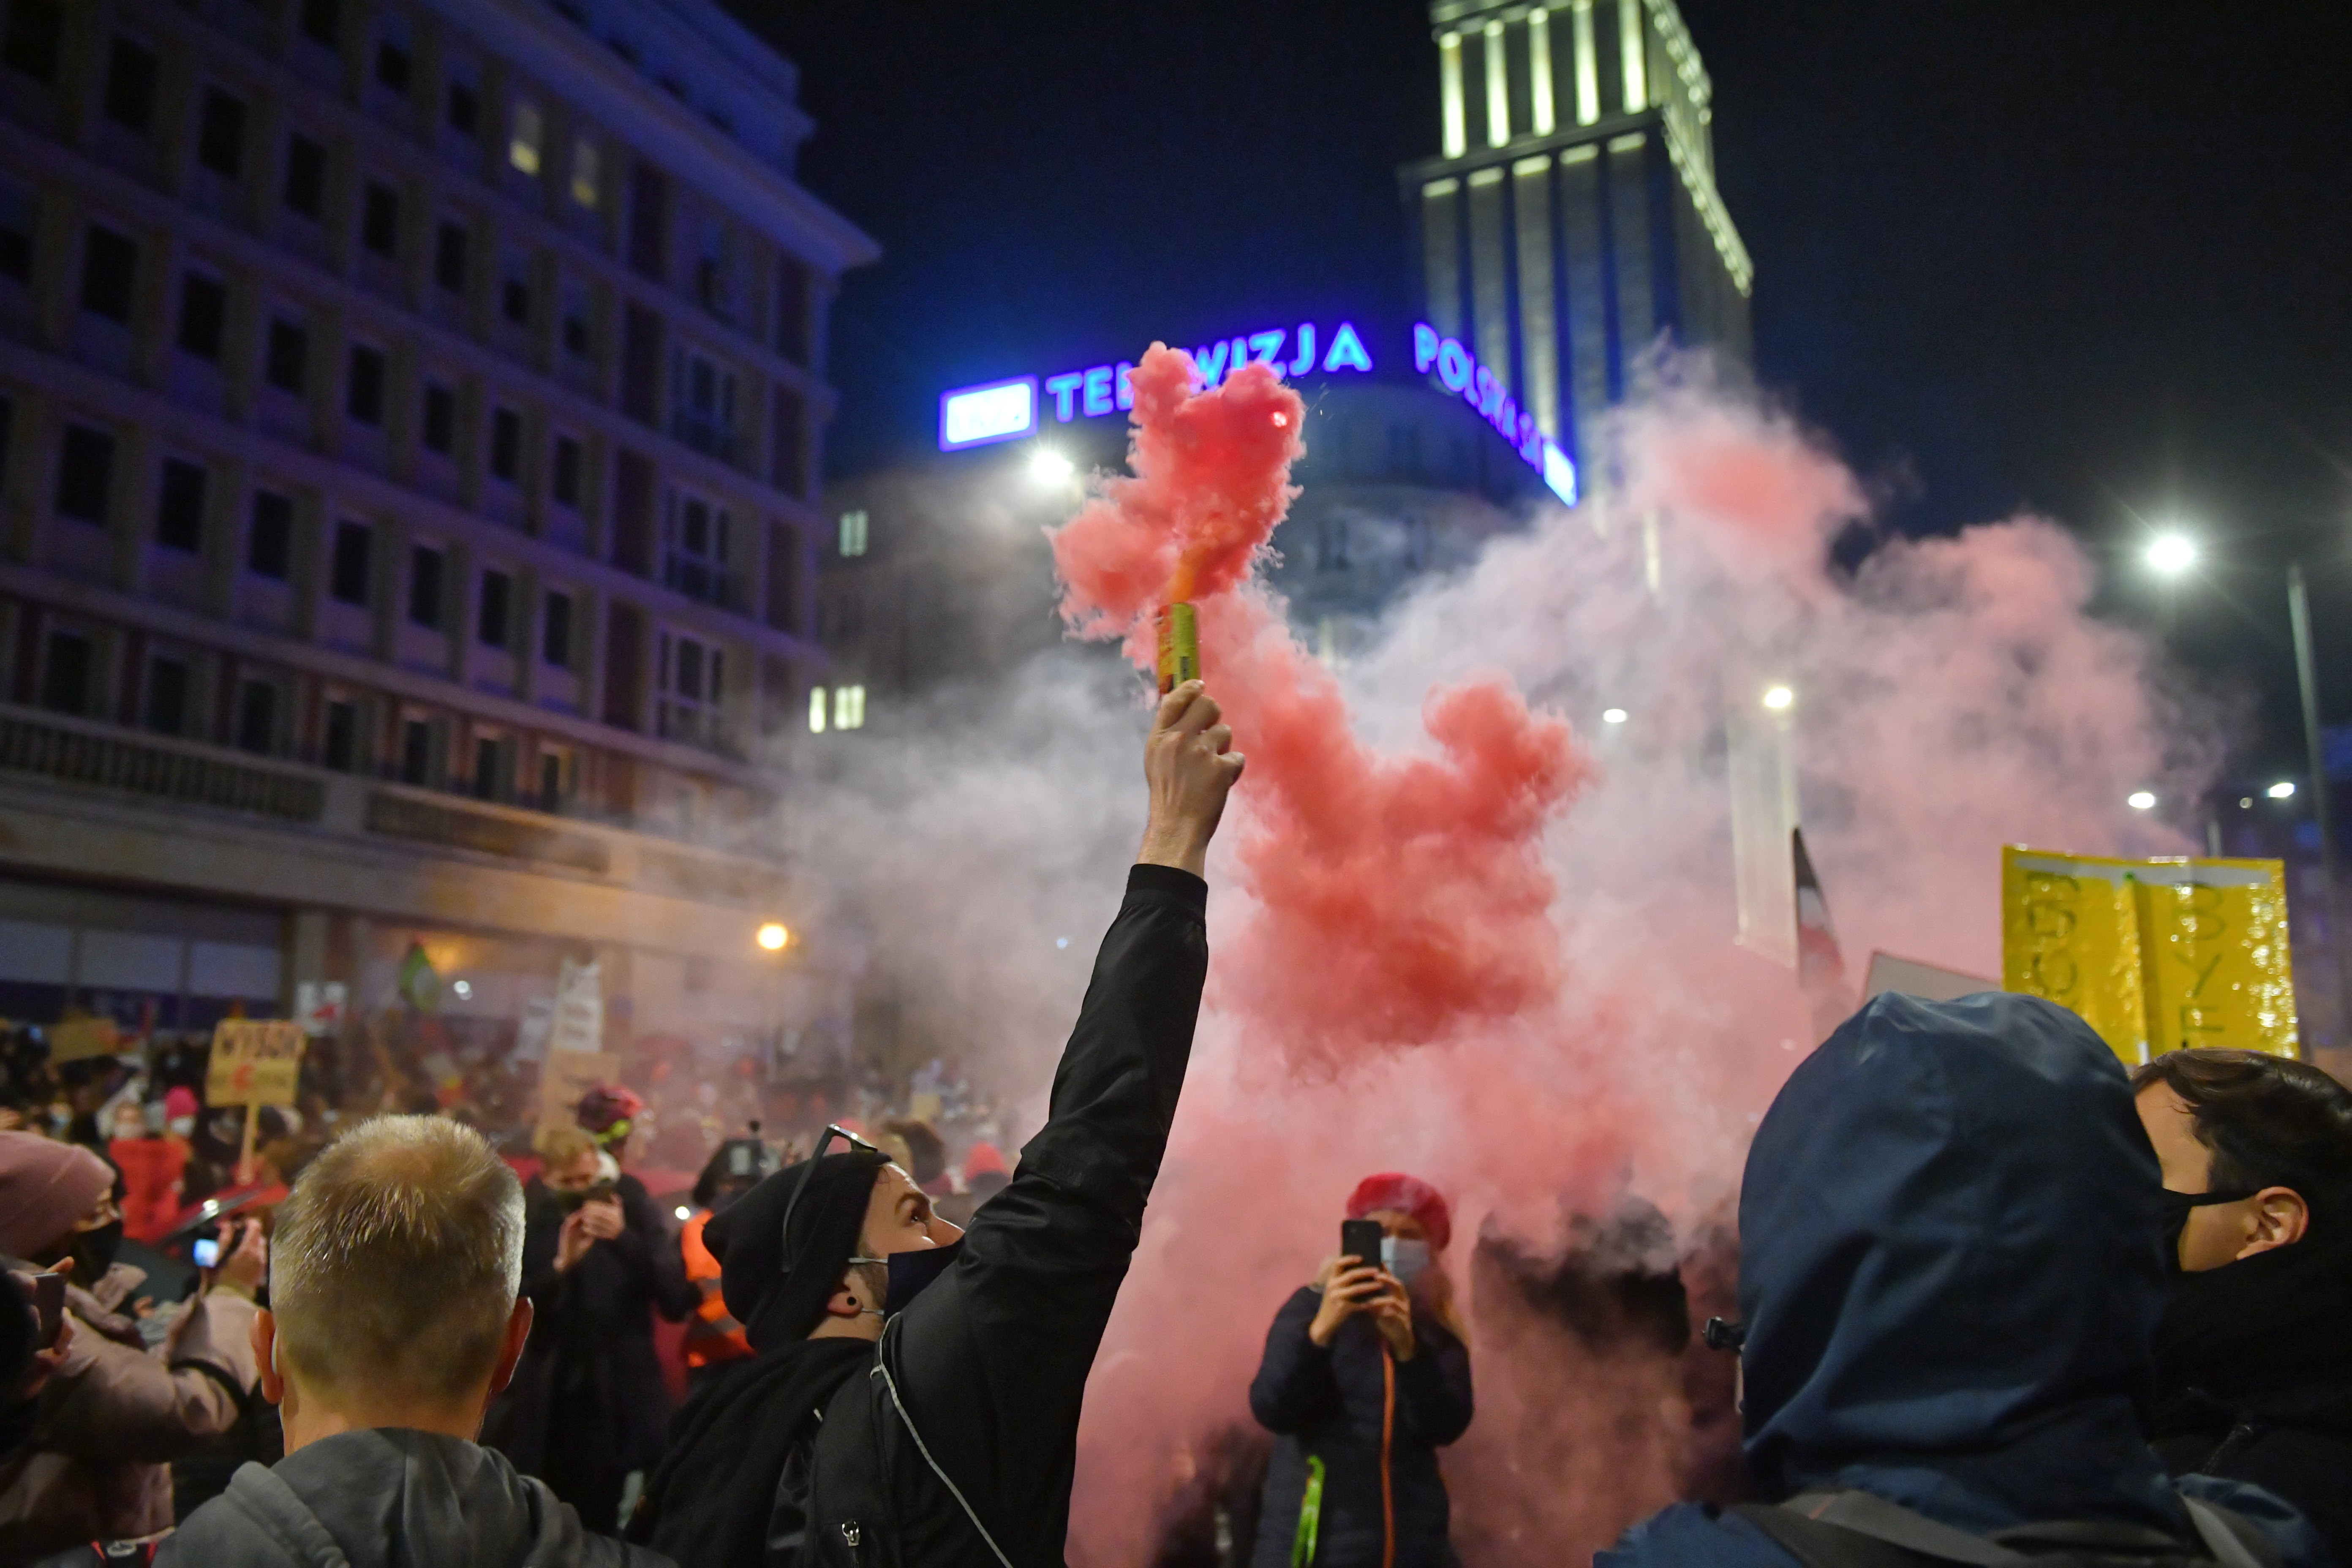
pixel 2155 954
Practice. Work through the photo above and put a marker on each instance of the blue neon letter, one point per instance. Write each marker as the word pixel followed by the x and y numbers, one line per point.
pixel 1347 350
pixel 1263 346
pixel 1096 401
pixel 1424 347
pixel 1306 360
pixel 1454 365
pixel 1210 367
pixel 1125 395
pixel 1062 388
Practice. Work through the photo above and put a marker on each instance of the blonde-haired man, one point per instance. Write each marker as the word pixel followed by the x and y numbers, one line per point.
pixel 393 1318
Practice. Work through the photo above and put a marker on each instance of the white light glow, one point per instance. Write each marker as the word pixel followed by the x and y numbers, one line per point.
pixel 683 1211
pixel 2171 554
pixel 1587 66
pixel 1632 48
pixel 1540 86
pixel 2141 800
pixel 1613 716
pixel 2282 790
pixel 465 988
pixel 773 936
pixel 1449 78
pixel 817 709
pixel 1048 467
pixel 1779 698
pixel 1498 88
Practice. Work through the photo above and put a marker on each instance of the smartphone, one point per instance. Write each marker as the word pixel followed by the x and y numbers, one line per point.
pixel 50 1306
pixel 207 1252
pixel 1360 1239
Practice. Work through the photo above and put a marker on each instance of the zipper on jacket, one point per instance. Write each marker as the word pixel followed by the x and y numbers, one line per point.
pixel 851 1536
pixel 1388 1439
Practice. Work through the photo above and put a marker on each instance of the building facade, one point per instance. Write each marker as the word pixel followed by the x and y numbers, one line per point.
pixel 1572 217
pixel 409 430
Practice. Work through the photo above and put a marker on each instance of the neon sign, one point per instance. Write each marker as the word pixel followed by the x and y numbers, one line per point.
pixel 1011 408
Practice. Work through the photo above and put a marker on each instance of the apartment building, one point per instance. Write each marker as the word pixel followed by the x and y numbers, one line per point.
pixel 409 429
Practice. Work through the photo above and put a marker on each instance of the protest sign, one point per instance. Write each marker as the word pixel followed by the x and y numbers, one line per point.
pixel 255 1062
pixel 78 1039
pixel 567 1076
pixel 2156 955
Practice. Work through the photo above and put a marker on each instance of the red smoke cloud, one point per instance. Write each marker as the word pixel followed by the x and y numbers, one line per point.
pixel 1396 898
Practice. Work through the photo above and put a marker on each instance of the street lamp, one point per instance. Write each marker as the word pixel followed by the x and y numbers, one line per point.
pixel 2141 800
pixel 1613 716
pixel 2282 790
pixel 1049 467
pixel 773 936
pixel 2171 554
pixel 1779 698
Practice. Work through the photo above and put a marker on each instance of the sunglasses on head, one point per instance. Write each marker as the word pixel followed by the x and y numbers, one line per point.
pixel 800 1186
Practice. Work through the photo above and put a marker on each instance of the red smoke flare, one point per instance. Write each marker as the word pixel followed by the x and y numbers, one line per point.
pixel 1397 896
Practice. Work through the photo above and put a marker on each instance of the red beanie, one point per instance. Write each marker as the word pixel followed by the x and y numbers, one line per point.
pixel 1406 1195
pixel 981 1159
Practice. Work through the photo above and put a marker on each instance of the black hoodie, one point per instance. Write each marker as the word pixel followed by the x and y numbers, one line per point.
pixel 384 1497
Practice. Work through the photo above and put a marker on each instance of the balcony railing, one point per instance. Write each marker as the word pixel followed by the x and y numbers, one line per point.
pixel 72 754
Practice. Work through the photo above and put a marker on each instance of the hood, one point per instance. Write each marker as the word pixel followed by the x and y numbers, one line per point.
pixel 386 1499
pixel 1950 1250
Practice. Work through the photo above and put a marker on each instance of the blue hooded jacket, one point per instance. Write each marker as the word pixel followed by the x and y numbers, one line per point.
pixel 1951 1262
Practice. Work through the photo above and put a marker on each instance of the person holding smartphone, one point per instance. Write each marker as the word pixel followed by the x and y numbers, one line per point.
pixel 1365 1375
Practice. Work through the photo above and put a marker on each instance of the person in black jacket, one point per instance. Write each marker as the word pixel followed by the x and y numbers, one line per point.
pixel 1366 1377
pixel 2252 1355
pixel 587 1406
pixel 915 1395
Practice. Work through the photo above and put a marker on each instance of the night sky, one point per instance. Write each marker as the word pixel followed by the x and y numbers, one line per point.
pixel 2092 257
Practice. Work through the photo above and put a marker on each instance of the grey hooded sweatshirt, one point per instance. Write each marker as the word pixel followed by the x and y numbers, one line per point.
pixel 385 1497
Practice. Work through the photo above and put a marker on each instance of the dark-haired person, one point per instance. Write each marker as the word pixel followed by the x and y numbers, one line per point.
pixel 914 1397
pixel 2254 1353
pixel 1365 1375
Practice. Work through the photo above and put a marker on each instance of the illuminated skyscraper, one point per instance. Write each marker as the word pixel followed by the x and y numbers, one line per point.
pixel 1572 214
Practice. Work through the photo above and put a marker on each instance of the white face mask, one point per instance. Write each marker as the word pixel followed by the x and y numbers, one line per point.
pixel 184 1126
pixel 1405 1259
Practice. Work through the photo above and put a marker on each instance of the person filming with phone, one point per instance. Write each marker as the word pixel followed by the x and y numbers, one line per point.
pixel 1365 1375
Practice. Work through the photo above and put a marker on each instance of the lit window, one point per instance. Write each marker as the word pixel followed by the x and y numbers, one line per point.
pixel 522 149
pixel 690 675
pixel 817 709
pixel 853 533
pixel 584 181
pixel 848 707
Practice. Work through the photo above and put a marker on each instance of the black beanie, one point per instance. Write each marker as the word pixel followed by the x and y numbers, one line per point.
pixel 776 1286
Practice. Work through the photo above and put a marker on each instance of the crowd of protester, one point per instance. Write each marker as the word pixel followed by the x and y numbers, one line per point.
pixel 1997 1298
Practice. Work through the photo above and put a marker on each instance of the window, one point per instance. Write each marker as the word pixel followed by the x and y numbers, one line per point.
pixel 220 134
pixel 817 710
pixel 166 710
pixel 788 456
pixel 288 359
pixel 465 109
pixel 522 146
pixel 489 767
pixel 364 400
pixel 586 181
pixel 551 779
pixel 322 22
pixel 648 221
pixel 424 586
pixel 577 342
pixel 417 752
pixel 306 176
pixel 449 248
pixel 203 314
pixel 16 232
pixel 180 506
pixel 704 401
pixel 564 483
pixel 695 561
pixel 35 39
pixel 491 625
pixel 506 444
pixel 132 69
pixel 440 431
pixel 853 533
pixel 85 474
pixel 348 578
pixel 66 673
pixel 850 707
pixel 689 677
pixel 792 316
pixel 393 61
pixel 270 539
pixel 711 273
pixel 514 300
pixel 380 219
pixel 256 716
pixel 555 632
pixel 341 749
pixel 109 272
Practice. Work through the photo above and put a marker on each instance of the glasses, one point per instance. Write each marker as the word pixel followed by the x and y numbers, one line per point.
pixel 831 1133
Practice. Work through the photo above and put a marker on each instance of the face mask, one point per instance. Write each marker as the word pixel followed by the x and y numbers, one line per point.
pixel 2177 1207
pixel 911 1272
pixel 93 1253
pixel 1404 1257
pixel 182 1126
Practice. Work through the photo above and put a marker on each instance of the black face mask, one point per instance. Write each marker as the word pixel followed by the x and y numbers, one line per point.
pixel 911 1272
pixel 93 1253
pixel 2177 1207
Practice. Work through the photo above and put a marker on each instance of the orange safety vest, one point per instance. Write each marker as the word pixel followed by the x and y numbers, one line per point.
pixel 711 1336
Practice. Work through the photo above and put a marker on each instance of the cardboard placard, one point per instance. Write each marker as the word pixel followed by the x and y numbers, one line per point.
pixel 1931 981
pixel 568 1075
pixel 78 1039
pixel 256 1061
pixel 2156 955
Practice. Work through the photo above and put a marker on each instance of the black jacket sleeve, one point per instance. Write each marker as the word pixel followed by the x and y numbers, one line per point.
pixel 992 1360
pixel 1294 1387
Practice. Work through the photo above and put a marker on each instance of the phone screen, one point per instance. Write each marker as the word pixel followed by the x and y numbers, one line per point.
pixel 207 1252
pixel 50 1306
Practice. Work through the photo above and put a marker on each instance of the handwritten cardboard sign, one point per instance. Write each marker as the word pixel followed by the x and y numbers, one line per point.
pixel 256 1061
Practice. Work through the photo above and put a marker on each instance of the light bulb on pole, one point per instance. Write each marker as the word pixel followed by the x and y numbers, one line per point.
pixel 2171 554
